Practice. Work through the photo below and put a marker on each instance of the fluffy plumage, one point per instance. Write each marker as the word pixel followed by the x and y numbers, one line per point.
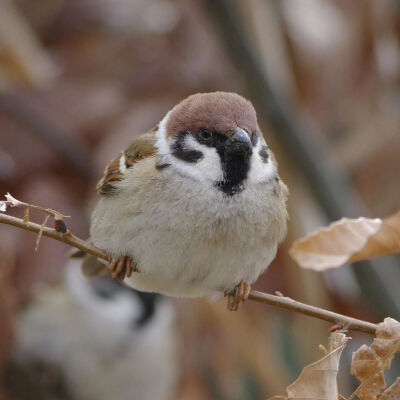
pixel 203 213
pixel 96 340
pixel 140 148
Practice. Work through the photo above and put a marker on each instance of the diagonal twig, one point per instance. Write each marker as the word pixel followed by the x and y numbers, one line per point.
pixel 67 238
pixel 277 301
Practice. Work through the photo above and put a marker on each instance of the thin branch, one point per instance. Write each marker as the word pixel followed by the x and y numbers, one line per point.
pixel 348 323
pixel 67 238
pixel 278 301
pixel 13 202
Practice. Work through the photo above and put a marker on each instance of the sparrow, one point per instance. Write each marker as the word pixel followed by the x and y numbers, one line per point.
pixel 94 339
pixel 195 207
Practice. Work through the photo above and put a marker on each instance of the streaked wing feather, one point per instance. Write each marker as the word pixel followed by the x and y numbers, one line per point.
pixel 141 147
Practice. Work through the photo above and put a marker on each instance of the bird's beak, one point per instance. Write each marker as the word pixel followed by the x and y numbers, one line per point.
pixel 239 143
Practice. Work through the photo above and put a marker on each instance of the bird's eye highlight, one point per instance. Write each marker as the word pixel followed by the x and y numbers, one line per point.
pixel 205 134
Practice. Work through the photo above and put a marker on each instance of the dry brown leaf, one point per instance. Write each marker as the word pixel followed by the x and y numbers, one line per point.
pixel 346 241
pixel 392 392
pixel 318 380
pixel 387 341
pixel 369 362
pixel 366 367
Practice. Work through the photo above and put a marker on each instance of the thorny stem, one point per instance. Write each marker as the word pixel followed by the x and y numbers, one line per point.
pixel 349 323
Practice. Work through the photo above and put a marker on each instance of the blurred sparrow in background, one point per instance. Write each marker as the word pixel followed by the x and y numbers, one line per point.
pixel 195 207
pixel 95 340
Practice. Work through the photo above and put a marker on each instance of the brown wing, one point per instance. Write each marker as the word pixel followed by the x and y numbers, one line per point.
pixel 141 147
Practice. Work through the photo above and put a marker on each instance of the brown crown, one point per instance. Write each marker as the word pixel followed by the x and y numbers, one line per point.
pixel 218 111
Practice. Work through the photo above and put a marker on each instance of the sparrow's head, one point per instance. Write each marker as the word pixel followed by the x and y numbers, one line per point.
pixel 215 138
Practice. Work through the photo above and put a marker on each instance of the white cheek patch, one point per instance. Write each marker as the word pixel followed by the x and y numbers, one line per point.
pixel 259 170
pixel 208 168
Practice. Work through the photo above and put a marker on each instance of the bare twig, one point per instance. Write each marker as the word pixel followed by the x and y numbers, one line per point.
pixel 278 301
pixel 40 232
pixel 67 238
pixel 349 323
pixel 13 202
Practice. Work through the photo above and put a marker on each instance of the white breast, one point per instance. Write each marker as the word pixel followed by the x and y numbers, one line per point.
pixel 189 239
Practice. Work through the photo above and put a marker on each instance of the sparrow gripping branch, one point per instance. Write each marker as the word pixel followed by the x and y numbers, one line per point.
pixel 64 235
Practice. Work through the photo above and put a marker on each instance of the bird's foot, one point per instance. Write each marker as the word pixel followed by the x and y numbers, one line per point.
pixel 238 295
pixel 122 267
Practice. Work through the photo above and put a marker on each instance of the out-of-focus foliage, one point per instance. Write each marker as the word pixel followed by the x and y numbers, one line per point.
pixel 80 78
pixel 346 241
pixel 319 379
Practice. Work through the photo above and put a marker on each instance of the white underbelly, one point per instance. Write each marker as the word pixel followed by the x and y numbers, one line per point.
pixel 192 245
pixel 195 266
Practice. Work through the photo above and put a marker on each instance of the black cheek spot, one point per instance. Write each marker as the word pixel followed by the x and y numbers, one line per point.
pixel 264 154
pixel 179 150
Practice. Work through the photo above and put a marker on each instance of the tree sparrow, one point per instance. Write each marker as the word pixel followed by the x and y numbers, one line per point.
pixel 95 340
pixel 195 207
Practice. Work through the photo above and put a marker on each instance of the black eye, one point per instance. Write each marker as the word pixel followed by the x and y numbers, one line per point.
pixel 205 134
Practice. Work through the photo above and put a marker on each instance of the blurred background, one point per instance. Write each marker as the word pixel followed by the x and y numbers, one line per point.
pixel 80 78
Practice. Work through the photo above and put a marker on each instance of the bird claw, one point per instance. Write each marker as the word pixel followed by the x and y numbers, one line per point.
pixel 122 267
pixel 238 295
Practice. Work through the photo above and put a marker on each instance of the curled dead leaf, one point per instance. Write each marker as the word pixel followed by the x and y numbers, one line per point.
pixel 346 241
pixel 364 363
pixel 387 341
pixel 318 380
pixel 366 367
pixel 392 392
pixel 368 363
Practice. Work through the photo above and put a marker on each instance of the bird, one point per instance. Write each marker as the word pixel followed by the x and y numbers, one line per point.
pixel 195 207
pixel 94 339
